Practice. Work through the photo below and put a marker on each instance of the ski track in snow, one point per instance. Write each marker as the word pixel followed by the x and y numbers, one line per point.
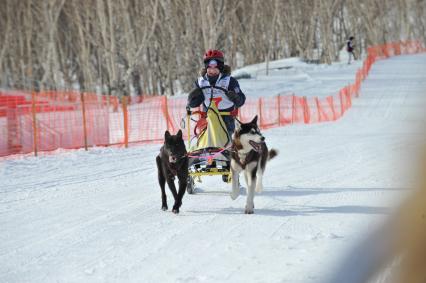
pixel 95 216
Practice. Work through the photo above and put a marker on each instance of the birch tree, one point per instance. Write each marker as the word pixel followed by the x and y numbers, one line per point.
pixel 122 47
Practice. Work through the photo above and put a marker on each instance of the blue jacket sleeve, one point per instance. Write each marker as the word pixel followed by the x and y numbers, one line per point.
pixel 235 87
pixel 195 97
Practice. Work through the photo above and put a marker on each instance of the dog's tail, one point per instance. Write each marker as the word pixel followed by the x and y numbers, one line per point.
pixel 272 153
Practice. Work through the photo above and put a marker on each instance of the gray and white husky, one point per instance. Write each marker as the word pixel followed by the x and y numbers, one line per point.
pixel 249 154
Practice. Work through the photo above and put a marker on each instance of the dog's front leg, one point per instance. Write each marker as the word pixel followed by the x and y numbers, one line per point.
pixel 183 181
pixel 172 187
pixel 251 184
pixel 162 182
pixel 259 177
pixel 235 173
pixel 235 187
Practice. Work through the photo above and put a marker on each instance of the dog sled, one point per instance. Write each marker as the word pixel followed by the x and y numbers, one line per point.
pixel 208 149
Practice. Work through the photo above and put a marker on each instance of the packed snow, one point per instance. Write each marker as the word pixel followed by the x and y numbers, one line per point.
pixel 292 75
pixel 77 216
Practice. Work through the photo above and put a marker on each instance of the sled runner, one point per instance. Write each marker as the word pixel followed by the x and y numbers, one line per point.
pixel 208 150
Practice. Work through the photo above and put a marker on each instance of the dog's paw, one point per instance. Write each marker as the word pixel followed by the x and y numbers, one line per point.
pixel 164 207
pixel 176 207
pixel 249 209
pixel 235 193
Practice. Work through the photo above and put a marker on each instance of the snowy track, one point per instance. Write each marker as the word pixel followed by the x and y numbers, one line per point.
pixel 95 216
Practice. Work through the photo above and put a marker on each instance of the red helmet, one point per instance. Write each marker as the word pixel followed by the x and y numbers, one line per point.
pixel 213 54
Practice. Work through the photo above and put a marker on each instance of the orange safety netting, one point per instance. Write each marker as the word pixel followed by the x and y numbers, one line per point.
pixel 45 121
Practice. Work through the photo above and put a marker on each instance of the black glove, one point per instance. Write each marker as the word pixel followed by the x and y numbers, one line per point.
pixel 233 96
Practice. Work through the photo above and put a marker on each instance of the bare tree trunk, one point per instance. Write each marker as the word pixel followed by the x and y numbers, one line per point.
pixel 156 46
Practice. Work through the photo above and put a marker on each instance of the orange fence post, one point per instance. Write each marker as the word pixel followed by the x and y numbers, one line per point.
pixel 126 122
pixel 317 103
pixel 260 112
pixel 306 112
pixel 166 113
pixel 279 109
pixel 83 109
pixel 33 110
pixel 349 96
pixel 330 101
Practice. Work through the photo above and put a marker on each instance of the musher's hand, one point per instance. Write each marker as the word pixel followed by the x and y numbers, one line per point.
pixel 232 96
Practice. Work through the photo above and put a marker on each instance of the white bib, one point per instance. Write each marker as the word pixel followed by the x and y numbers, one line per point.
pixel 208 90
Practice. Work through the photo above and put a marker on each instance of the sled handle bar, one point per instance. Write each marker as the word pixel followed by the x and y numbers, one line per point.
pixel 202 113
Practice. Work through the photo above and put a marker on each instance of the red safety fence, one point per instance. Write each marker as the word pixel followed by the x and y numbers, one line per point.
pixel 45 121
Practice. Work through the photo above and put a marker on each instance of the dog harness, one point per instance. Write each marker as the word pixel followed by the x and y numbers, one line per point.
pixel 250 156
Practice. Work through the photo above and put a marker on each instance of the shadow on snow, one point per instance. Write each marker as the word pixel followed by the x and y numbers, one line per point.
pixel 277 192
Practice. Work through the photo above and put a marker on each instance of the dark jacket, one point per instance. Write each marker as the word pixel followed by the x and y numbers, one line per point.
pixel 349 46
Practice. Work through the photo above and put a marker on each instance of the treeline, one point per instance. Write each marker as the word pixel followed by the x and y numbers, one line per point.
pixel 120 47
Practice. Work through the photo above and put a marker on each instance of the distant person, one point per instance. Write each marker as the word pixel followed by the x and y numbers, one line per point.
pixel 350 46
pixel 216 82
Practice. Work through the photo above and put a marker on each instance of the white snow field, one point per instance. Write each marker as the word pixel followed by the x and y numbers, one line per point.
pixel 76 216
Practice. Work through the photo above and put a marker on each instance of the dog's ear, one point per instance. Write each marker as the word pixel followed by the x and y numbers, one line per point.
pixel 254 121
pixel 179 134
pixel 166 135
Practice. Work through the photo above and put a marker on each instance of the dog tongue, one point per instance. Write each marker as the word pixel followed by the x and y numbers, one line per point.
pixel 255 145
